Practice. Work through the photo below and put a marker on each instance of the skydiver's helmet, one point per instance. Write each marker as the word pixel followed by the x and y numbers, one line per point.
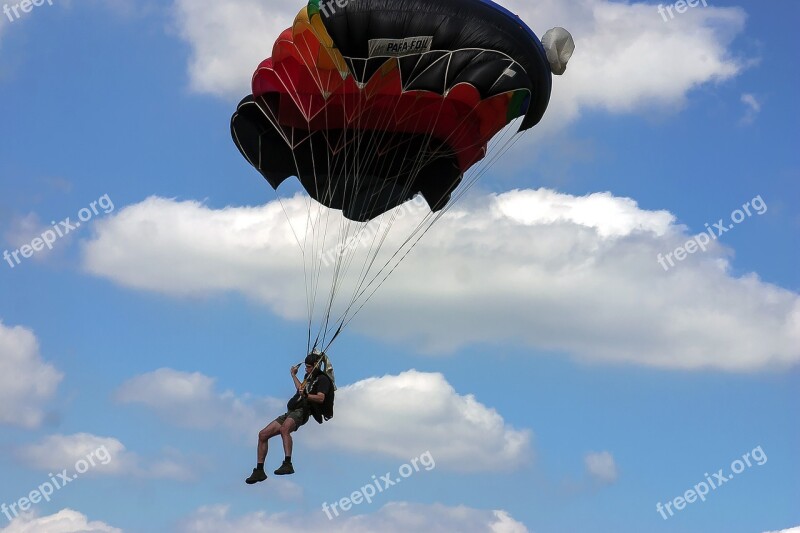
pixel 324 367
pixel 313 357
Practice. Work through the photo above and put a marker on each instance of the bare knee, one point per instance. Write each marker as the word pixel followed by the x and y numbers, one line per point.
pixel 268 432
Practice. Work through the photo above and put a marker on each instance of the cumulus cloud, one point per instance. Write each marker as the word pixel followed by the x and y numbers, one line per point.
pixel 189 400
pixel 229 39
pixel 795 529
pixel 97 455
pixel 601 467
pixel 27 383
pixel 463 434
pixel 393 517
pixel 627 58
pixel 576 275
pixel 65 521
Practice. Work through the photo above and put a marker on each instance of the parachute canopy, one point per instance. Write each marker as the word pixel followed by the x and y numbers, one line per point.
pixel 372 103
pixel 375 102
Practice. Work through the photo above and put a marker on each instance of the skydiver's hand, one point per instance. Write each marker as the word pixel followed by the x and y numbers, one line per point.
pixel 295 369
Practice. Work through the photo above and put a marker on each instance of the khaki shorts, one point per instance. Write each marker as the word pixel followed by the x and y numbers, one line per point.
pixel 300 417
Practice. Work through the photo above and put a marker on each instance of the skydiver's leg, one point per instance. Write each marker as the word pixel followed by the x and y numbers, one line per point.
pixel 287 428
pixel 286 434
pixel 263 437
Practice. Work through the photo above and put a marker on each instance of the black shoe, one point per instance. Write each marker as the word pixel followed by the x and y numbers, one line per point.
pixel 286 468
pixel 256 477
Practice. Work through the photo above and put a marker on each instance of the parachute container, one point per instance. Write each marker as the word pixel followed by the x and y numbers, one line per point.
pixel 559 45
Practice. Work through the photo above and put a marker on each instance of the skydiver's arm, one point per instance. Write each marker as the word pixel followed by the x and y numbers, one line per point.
pixel 297 384
pixel 322 390
pixel 316 398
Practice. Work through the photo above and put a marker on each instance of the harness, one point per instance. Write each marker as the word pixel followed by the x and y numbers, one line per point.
pixel 322 412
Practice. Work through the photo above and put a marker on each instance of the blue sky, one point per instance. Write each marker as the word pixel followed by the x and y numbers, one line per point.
pixel 560 378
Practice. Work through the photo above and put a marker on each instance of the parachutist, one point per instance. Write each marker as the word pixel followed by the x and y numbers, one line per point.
pixel 314 397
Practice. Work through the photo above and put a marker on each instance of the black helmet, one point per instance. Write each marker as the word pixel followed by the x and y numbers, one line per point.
pixel 313 357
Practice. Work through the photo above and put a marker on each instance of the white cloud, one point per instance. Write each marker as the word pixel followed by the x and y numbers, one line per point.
pixel 189 400
pixel 461 433
pixel 601 467
pixel 100 455
pixel 627 58
pixel 579 276
pixel 753 108
pixel 22 230
pixel 395 517
pixel 608 215
pixel 26 381
pixel 65 521
pixel 229 39
pixel 795 529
